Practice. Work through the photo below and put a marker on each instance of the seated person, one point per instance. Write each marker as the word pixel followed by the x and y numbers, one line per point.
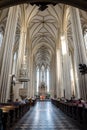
pixel 22 101
pixel 81 101
pixel 17 102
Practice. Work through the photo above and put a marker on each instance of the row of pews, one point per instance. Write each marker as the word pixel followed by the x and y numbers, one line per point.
pixel 10 114
pixel 78 112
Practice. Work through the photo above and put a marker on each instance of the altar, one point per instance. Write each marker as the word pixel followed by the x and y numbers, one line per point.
pixel 42 91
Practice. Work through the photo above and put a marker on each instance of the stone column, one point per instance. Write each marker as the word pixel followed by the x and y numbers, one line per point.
pixel 39 75
pixel 79 53
pixel 31 76
pixel 52 77
pixel 66 66
pixel 46 76
pixel 34 80
pixel 8 41
pixel 23 53
pixel 31 90
pixel 29 68
pixel 51 83
pixel 22 47
pixel 59 73
pixel 28 92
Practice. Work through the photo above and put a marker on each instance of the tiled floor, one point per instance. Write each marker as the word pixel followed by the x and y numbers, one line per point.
pixel 45 116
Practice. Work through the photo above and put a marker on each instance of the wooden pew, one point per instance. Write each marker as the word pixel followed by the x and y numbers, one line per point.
pixel 80 113
pixel 76 111
pixel 6 118
pixel 1 120
pixel 84 114
pixel 11 114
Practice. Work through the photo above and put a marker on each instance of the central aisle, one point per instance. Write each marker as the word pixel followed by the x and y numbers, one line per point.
pixel 45 116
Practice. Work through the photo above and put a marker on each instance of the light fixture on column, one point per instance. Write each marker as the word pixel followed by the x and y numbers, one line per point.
pixel 83 69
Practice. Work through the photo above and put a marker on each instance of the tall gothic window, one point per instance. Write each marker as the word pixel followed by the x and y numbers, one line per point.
pixel 48 80
pixel 64 48
pixel 1 38
pixel 42 73
pixel 72 75
pixel 85 38
pixel 14 63
pixel 37 79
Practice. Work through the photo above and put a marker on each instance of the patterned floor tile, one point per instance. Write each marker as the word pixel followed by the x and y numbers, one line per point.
pixel 45 116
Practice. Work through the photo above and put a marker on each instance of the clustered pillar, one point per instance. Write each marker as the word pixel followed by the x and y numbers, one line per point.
pixel 8 41
pixel 79 52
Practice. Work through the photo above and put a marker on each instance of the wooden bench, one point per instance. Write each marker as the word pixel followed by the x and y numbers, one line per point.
pixel 11 114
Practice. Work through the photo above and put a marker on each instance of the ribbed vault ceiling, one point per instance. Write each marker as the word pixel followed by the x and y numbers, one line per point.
pixel 43 33
pixel 43 29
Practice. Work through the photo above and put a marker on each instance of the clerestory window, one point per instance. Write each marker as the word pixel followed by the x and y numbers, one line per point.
pixel 85 38
pixel 1 38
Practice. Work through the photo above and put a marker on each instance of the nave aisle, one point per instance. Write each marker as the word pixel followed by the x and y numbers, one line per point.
pixel 45 116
